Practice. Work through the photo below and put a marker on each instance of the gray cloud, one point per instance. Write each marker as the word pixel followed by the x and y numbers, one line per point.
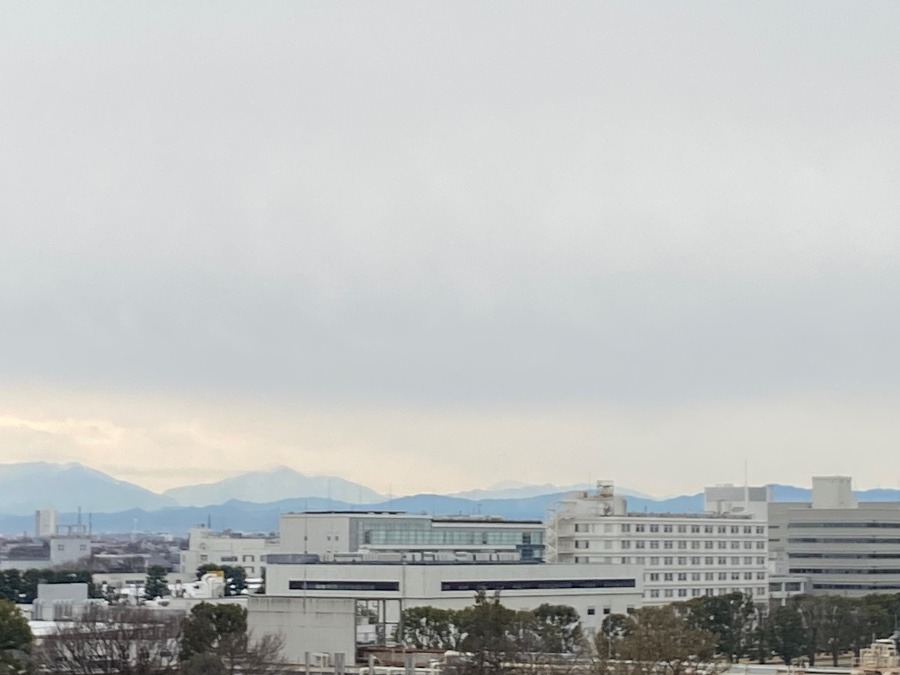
pixel 452 205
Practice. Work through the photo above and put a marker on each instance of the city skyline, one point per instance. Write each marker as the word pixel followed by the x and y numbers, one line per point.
pixel 440 245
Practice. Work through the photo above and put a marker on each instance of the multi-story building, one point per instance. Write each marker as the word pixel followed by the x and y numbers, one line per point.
pixel 682 556
pixel 839 546
pixel 225 548
pixel 418 537
pixel 45 523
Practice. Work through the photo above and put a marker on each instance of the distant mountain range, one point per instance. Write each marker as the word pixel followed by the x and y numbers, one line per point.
pixel 29 486
pixel 272 485
pixel 254 500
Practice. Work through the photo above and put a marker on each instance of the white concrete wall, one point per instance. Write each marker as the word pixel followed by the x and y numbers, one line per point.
pixel 307 625
pixel 318 533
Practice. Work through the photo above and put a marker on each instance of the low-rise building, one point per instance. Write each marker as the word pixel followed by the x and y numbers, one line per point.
pixel 325 533
pixel 313 593
pixel 206 547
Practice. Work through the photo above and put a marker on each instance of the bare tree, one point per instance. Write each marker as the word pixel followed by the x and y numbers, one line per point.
pixel 121 640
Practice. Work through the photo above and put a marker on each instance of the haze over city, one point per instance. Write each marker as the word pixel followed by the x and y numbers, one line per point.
pixel 431 247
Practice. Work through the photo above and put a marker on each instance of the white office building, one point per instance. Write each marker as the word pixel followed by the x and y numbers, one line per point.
pixel 418 537
pixel 837 545
pixel 682 556
pixel 225 548
pixel 314 604
pixel 45 523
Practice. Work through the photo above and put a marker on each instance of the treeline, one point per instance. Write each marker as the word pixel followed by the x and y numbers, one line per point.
pixel 807 627
pixel 549 628
pixel 706 629
pixel 21 587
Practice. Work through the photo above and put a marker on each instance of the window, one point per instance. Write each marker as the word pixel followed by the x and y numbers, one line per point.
pixel 682 529
pixel 682 592
pixel 708 560
pixel 760 544
pixel 667 543
pixel 682 576
pixel 639 560
pixel 668 576
pixel 723 544
pixel 735 560
pixel 626 527
pixel 60 547
pixel 708 576
pixel 748 576
pixel 748 529
pixel 695 576
pixel 735 544
pixel 250 558
pixel 695 592
pixel 639 527
pixel 581 543
pixel 667 593
pixel 722 529
pixel 654 593
pixel 695 529
pixel 682 560
pixel 748 560
pixel 708 529
pixel 723 576
pixel 695 560
pixel 591 611
pixel 626 560
pixel 723 561
pixel 735 576
pixel 760 575
pixel 654 543
pixel 667 528
pixel 735 529
pixel 760 560
pixel 707 544
pixel 748 544
pixel 760 529
pixel 654 560
pixel 640 544
pixel 582 527
pixel 654 576
pixel 626 544
pixel 667 561
pixel 654 528
pixel 682 544
pixel 228 558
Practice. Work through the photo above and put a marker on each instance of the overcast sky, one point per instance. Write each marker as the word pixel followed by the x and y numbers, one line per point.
pixel 430 246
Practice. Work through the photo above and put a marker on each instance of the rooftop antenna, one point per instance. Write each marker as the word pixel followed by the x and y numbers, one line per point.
pixel 90 524
pixel 78 522
pixel 209 522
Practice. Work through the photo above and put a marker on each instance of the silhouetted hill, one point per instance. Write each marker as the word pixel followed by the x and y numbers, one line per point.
pixel 26 487
pixel 273 484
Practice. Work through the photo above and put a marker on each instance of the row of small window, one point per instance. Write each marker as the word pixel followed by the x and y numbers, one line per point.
pixel 682 545
pixel 707 576
pixel 668 560
pixel 234 558
pixel 693 529
pixel 697 592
